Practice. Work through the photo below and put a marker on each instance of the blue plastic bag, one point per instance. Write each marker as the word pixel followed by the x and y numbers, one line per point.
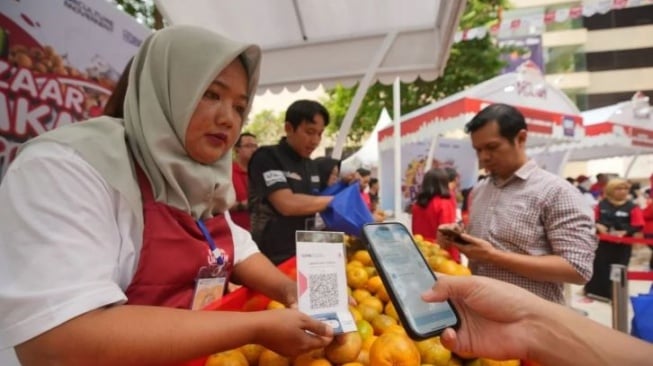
pixel 347 212
pixel 333 189
pixel 642 324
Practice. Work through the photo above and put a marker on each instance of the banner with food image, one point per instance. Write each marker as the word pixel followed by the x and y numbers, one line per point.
pixel 456 153
pixel 59 62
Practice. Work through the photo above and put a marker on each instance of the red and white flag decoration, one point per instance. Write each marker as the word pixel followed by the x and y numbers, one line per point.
pixel 514 24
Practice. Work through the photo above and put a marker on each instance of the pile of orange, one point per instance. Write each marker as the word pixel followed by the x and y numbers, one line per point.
pixel 380 339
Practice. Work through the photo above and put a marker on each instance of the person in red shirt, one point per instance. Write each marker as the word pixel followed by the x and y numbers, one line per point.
pixel 434 207
pixel 244 148
pixel 597 188
pixel 647 212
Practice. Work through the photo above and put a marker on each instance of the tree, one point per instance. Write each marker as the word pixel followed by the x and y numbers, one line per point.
pixel 144 11
pixel 267 125
pixel 470 62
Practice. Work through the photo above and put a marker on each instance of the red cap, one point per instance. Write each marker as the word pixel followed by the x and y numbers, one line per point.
pixel 581 178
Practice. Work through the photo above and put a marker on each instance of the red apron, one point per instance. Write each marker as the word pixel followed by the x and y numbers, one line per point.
pixel 174 249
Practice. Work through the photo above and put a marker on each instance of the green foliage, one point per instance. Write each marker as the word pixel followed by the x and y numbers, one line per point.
pixel 470 62
pixel 143 10
pixel 267 126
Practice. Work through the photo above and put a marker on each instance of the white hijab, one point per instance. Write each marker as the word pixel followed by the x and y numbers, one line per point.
pixel 168 76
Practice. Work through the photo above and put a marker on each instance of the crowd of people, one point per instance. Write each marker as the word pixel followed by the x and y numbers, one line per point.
pixel 115 229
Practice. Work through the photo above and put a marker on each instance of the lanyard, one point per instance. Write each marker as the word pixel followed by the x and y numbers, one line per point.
pixel 209 240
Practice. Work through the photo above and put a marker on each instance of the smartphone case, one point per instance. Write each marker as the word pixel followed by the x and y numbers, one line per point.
pixel 412 333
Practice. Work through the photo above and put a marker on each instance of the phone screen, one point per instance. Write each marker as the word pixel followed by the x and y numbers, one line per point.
pixel 407 274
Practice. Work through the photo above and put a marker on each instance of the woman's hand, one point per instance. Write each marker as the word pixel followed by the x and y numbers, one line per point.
pixel 489 311
pixel 291 333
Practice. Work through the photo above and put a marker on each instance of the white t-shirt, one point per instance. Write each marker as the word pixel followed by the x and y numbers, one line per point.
pixel 69 242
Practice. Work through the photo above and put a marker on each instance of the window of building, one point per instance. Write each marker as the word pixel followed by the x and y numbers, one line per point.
pixel 564 59
pixel 630 17
pixel 618 60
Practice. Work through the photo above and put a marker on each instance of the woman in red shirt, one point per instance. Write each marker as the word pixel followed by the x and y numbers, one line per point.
pixel 434 207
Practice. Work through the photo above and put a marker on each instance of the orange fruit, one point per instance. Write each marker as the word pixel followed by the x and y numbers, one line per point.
pixel 433 352
pixel 271 358
pixel 227 358
pixel 391 311
pixel 396 329
pixel 381 322
pixel 273 305
pixel 369 341
pixel 373 302
pixel 356 277
pixel 320 362
pixel 392 349
pixel 435 261
pixel 463 271
pixel 305 359
pixel 364 357
pixel 368 312
pixel 489 362
pixel 371 271
pixel 373 284
pixel 362 256
pixel 355 313
pixel 359 294
pixel 382 294
pixel 252 352
pixel 448 267
pixel 353 364
pixel 354 263
pixel 365 329
pixel 346 350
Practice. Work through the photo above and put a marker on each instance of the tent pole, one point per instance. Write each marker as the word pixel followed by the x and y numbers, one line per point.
pixel 429 156
pixel 364 84
pixel 396 104
pixel 565 159
pixel 631 164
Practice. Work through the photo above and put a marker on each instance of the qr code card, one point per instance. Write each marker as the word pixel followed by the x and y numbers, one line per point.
pixel 321 279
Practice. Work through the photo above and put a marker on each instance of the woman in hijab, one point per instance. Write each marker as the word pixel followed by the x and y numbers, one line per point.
pixel 618 216
pixel 112 229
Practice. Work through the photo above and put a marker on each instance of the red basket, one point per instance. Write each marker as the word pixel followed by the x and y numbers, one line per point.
pixel 245 299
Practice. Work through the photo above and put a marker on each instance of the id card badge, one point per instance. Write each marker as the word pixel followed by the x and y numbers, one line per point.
pixel 209 286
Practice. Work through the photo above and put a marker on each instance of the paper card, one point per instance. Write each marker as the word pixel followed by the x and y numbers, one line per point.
pixel 321 279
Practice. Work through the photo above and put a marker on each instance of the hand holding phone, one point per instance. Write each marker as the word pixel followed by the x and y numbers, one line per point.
pixel 406 275
pixel 453 235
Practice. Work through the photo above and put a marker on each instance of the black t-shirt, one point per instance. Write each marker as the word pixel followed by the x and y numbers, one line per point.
pixel 270 169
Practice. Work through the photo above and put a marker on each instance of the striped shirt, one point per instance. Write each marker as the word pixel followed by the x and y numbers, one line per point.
pixel 536 213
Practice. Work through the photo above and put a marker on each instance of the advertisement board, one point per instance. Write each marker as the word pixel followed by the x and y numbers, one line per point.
pixel 59 62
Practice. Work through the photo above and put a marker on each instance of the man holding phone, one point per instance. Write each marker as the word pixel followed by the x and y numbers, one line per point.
pixel 526 226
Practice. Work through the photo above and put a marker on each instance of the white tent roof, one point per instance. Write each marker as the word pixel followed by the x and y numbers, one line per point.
pixel 545 107
pixel 368 154
pixel 635 112
pixel 312 42
pixel 622 129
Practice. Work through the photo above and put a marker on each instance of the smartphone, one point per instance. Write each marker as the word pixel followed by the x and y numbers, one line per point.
pixel 454 235
pixel 406 274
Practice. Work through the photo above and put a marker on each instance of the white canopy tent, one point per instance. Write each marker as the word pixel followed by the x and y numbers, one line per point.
pixel 368 155
pixel 550 115
pixel 619 130
pixel 312 42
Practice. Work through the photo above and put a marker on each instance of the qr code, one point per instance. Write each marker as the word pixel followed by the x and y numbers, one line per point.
pixel 323 290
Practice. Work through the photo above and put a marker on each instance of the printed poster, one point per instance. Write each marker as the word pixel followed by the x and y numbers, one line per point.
pixel 456 153
pixel 59 62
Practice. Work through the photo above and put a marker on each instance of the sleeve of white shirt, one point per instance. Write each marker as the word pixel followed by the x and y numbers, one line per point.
pixel 244 245
pixel 59 242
